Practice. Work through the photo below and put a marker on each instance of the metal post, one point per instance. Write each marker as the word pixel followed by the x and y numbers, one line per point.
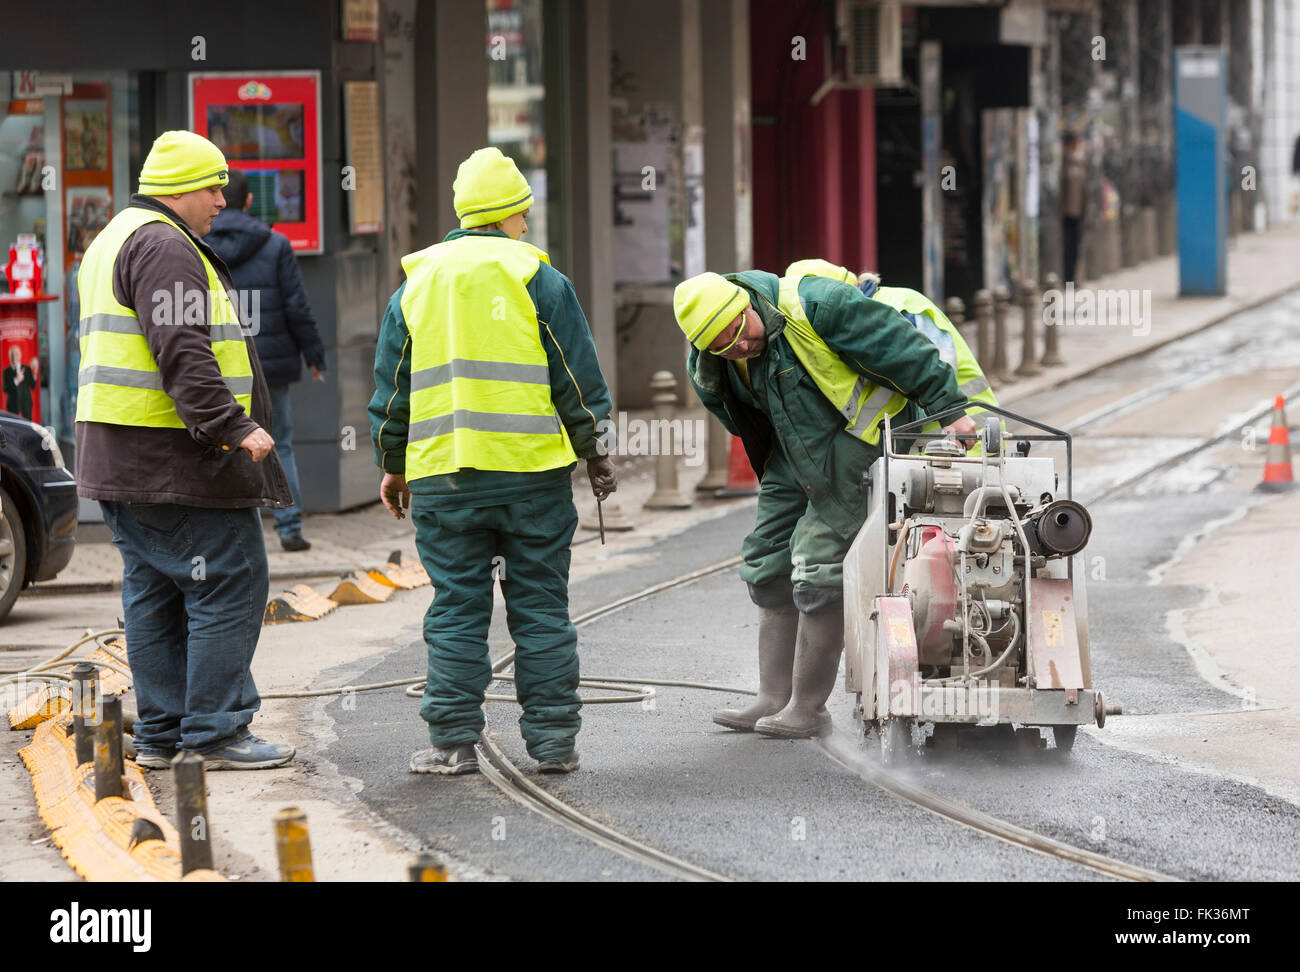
pixel 1031 307
pixel 108 750
pixel 192 812
pixel 1052 339
pixel 984 331
pixel 292 846
pixel 85 694
pixel 664 398
pixel 427 868
pixel 955 311
pixel 719 446
pixel 1001 366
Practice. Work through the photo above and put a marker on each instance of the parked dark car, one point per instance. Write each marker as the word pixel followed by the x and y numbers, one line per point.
pixel 38 498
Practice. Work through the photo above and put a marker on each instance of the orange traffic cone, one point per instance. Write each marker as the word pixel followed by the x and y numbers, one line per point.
pixel 741 480
pixel 1277 463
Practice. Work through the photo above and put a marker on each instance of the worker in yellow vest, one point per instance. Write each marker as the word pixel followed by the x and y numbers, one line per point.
pixel 487 392
pixel 804 370
pixel 172 413
pixel 924 315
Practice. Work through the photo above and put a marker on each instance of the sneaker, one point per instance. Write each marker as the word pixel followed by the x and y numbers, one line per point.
pixel 562 766
pixel 294 543
pixel 247 754
pixel 154 760
pixel 449 761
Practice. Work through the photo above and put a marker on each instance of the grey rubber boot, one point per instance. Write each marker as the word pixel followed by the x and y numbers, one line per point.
pixel 777 628
pixel 816 663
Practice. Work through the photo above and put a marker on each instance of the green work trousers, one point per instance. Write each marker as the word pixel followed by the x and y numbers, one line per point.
pixel 526 545
pixel 791 545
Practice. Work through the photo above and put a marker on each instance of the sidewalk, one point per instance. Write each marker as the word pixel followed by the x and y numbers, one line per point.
pixel 1260 267
pixel 1240 642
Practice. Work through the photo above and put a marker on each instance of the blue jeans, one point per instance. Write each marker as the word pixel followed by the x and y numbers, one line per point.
pixel 194 587
pixel 288 522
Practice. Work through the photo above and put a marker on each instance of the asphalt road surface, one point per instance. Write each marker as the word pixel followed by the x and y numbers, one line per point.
pixel 758 808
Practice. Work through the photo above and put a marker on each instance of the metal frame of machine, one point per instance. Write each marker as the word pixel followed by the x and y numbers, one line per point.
pixel 963 605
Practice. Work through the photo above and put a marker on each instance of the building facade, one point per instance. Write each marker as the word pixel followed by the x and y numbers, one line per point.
pixel 921 140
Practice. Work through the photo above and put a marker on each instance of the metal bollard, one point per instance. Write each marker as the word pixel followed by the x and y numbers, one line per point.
pixel 1001 366
pixel 108 750
pixel 1031 307
pixel 85 694
pixel 192 812
pixel 427 868
pixel 666 495
pixel 984 329
pixel 956 311
pixel 1052 338
pixel 292 846
pixel 719 448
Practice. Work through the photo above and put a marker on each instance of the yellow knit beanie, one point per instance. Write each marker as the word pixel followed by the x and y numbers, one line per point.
pixel 182 162
pixel 704 305
pixel 488 188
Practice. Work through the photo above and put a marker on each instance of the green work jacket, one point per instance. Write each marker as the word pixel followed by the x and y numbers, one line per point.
pixel 784 415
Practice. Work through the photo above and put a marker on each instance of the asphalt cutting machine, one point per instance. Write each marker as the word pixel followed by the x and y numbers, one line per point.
pixel 964 593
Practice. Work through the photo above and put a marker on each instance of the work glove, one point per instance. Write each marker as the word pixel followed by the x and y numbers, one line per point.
pixel 604 480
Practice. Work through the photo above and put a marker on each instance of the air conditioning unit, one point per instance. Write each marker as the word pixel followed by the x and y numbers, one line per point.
pixel 872 37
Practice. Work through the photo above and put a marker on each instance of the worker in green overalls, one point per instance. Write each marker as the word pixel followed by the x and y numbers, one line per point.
pixel 487 392
pixel 804 369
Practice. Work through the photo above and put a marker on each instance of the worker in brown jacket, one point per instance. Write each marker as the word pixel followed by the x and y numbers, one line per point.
pixel 172 412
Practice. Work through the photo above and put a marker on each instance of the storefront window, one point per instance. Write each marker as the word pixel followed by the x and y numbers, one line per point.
pixel 517 102
pixel 66 151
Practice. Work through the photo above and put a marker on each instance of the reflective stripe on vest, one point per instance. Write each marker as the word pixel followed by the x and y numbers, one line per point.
pixel 863 403
pixel 480 377
pixel 119 382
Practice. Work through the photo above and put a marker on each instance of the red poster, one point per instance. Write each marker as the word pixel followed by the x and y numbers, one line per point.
pixel 268 126
pixel 21 358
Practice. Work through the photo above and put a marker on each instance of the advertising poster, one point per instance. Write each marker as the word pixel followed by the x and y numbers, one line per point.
pixel 85 135
pixel 366 189
pixel 268 127
pixel 89 210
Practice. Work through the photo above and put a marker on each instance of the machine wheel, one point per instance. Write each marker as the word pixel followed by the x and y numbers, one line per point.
pixel 895 741
pixel 1064 736
pixel 945 739
pixel 1029 740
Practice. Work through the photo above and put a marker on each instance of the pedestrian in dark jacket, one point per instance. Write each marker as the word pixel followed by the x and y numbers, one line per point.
pixel 172 413
pixel 266 275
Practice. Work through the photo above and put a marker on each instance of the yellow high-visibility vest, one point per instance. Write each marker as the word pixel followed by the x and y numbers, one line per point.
pixel 480 379
pixel 119 382
pixel 863 403
pixel 934 325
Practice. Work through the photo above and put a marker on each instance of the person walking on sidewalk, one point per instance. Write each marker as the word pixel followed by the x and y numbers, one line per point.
pixel 487 391
pixel 804 369
pixel 172 410
pixel 1074 196
pixel 261 261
